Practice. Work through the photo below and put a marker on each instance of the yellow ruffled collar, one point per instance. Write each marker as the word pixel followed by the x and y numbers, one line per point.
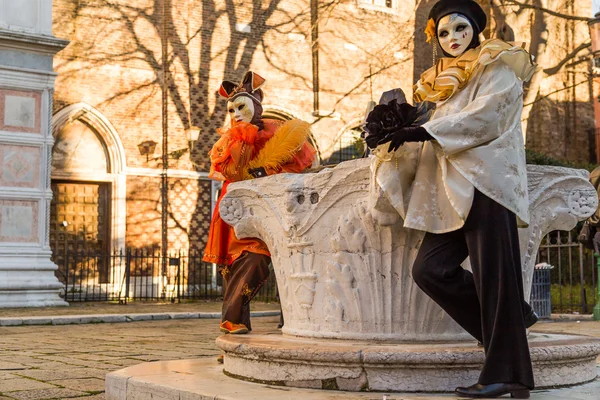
pixel 450 75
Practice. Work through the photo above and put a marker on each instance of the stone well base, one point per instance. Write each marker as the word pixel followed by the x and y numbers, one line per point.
pixel 203 379
pixel 558 360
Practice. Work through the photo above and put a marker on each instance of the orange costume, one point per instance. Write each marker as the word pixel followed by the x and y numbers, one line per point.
pixel 229 158
pixel 251 147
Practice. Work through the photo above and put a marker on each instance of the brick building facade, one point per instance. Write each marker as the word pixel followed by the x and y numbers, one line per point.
pixel 109 90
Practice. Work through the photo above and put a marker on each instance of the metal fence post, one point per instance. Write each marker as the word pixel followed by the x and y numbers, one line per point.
pixel 67 275
pixel 597 307
pixel 178 278
pixel 127 273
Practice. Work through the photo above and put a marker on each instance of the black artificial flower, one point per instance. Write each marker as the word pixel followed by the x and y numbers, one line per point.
pixel 388 118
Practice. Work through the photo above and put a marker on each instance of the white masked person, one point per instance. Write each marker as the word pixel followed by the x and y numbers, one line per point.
pixel 251 147
pixel 468 191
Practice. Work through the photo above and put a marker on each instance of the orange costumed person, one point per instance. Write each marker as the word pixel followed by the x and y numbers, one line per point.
pixel 251 147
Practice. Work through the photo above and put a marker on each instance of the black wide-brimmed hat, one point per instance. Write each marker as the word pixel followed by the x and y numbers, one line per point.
pixel 468 8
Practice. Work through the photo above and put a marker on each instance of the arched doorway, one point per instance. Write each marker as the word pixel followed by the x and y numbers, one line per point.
pixel 87 213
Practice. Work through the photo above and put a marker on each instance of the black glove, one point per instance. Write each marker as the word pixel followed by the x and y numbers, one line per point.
pixel 372 140
pixel 258 172
pixel 408 134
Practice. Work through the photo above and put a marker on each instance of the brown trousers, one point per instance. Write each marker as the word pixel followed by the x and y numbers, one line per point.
pixel 243 278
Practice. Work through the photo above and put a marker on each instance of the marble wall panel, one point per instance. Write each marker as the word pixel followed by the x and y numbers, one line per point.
pixel 20 111
pixel 20 166
pixel 19 221
pixel 20 13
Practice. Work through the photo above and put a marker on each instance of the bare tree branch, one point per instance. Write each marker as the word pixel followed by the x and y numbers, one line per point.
pixel 547 11
pixel 570 56
pixel 558 91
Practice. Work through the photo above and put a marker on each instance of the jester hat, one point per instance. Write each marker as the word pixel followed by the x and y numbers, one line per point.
pixel 250 86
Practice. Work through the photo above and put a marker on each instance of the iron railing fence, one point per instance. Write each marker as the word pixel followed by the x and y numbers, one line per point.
pixel 573 278
pixel 138 274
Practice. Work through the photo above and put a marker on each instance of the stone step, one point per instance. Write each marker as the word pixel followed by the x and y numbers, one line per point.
pixel 203 379
pixel 275 359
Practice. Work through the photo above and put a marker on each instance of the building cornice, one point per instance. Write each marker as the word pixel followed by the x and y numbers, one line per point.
pixel 42 44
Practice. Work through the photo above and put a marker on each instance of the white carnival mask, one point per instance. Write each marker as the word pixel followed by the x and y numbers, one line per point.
pixel 455 34
pixel 240 109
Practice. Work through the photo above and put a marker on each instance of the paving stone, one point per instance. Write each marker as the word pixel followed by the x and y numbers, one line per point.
pixel 11 366
pixel 183 315
pixel 66 320
pixel 12 385
pixel 209 315
pixel 138 317
pixel 112 318
pixel 4 375
pixel 65 373
pixel 11 321
pixel 48 365
pixel 99 396
pixel 63 358
pixel 123 354
pixel 84 384
pixel 160 317
pixel 37 321
pixel 25 360
pixel 47 394
pixel 92 357
pixel 123 362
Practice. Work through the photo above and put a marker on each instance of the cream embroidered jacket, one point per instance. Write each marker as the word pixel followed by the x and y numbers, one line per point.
pixel 478 144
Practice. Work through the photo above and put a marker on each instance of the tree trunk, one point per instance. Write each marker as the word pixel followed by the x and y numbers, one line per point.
pixel 540 35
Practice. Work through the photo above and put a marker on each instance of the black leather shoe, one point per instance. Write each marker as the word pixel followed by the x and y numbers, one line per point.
pixel 493 390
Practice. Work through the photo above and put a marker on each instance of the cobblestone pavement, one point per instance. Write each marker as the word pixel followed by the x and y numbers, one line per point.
pixel 59 362
pixel 70 361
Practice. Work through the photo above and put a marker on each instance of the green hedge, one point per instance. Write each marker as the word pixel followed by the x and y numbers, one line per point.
pixel 534 157
pixel 572 304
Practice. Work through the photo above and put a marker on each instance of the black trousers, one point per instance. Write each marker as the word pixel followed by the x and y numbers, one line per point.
pixel 488 303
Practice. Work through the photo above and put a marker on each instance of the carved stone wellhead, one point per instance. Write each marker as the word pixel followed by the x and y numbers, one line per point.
pixel 344 274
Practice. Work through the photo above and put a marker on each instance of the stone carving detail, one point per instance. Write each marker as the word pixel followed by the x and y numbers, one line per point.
pixel 231 210
pixel 558 198
pixel 344 270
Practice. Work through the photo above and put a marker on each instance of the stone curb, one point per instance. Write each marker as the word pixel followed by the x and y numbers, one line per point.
pixel 571 317
pixel 115 318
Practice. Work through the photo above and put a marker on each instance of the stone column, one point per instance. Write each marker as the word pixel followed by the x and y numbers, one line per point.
pixel 27 48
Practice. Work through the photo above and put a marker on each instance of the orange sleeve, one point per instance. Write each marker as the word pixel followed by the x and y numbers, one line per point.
pixel 232 152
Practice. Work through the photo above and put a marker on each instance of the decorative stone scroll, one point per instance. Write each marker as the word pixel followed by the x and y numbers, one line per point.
pixel 344 274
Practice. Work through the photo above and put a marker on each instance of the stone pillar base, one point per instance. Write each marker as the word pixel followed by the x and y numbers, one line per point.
pixel 558 360
pixel 28 280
